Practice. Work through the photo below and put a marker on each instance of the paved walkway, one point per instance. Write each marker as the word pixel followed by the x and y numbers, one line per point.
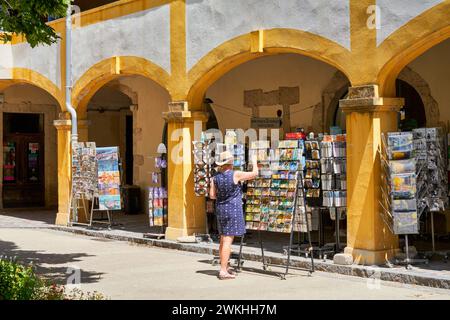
pixel 124 271
pixel 130 228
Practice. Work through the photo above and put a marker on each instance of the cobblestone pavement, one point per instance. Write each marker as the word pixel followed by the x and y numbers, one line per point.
pixel 124 271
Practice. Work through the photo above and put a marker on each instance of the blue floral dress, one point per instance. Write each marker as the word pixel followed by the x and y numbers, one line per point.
pixel 230 215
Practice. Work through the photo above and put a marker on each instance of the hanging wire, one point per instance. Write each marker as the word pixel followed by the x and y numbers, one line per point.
pixel 249 115
pixel 230 109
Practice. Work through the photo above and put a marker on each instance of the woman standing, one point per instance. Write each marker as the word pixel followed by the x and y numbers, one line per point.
pixel 226 189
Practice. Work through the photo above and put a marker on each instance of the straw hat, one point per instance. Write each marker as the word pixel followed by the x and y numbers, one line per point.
pixel 225 158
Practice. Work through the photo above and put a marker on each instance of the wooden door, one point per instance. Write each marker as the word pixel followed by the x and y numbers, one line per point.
pixel 23 170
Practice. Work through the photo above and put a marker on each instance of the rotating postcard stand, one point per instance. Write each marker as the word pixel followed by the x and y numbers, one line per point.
pixel 432 180
pixel 334 184
pixel 399 201
pixel 158 197
pixel 272 197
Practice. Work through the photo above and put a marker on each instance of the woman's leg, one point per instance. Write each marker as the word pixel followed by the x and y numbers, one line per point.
pixel 225 251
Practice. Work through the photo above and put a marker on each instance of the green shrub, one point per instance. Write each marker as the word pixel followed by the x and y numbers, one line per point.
pixel 18 282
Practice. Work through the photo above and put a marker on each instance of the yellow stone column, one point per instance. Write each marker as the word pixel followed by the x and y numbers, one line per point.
pixel 369 239
pixel 63 128
pixel 186 211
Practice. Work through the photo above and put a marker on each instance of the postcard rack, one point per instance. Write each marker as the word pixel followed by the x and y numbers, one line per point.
pixel 401 208
pixel 272 198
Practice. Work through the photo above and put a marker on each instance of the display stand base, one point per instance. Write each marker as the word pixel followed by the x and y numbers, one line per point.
pixel 156 235
pixel 408 263
pixel 431 254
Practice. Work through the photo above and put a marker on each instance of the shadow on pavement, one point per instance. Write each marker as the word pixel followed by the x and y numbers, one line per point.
pixel 51 271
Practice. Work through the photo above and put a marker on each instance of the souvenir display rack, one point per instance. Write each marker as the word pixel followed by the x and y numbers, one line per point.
pixel 313 190
pixel 430 153
pixel 273 196
pixel 400 170
pixel 333 178
pixel 203 161
pixel 158 196
pixel 84 184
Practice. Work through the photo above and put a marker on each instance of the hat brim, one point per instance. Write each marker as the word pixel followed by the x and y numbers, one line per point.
pixel 227 161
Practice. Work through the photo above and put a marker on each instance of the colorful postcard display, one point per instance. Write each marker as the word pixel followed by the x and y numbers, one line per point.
pixel 238 152
pixel 403 184
pixel 432 176
pixel 312 172
pixel 203 161
pixel 84 170
pixel 108 178
pixel 157 206
pixel 271 197
pixel 333 171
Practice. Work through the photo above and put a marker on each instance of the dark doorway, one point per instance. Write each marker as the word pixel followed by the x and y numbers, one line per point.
pixel 129 150
pixel 414 109
pixel 23 160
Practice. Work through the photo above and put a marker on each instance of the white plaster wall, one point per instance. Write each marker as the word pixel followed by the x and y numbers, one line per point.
pixel 6 61
pixel 43 59
pixel 396 13
pixel 212 22
pixel 144 34
pixel 434 67
pixel 270 73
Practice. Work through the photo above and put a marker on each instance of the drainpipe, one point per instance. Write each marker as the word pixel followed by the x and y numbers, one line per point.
pixel 72 111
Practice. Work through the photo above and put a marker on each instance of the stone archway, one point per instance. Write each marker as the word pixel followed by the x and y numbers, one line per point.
pixel 331 95
pixel 431 106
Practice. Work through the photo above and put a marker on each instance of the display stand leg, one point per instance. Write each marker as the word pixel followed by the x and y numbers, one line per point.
pixel 262 250
pixel 407 251
pixel 433 248
pixel 288 262
pixel 239 264
pixel 338 243
pixel 92 213
pixel 310 249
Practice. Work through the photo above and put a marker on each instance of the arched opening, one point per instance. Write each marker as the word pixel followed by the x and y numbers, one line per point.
pixel 253 89
pixel 109 111
pixel 29 153
pixel 127 112
pixel 413 110
pixel 425 85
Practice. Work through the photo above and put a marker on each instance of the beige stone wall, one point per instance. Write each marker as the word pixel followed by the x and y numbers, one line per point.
pixel 434 68
pixel 270 73
pixel 30 99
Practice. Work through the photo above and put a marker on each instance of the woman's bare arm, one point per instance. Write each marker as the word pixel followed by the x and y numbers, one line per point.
pixel 212 190
pixel 244 176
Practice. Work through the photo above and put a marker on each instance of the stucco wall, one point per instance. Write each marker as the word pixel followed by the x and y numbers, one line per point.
pixel 29 99
pixel 394 14
pixel 5 61
pixel 42 59
pixel 434 67
pixel 212 22
pixel 270 73
pixel 144 34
